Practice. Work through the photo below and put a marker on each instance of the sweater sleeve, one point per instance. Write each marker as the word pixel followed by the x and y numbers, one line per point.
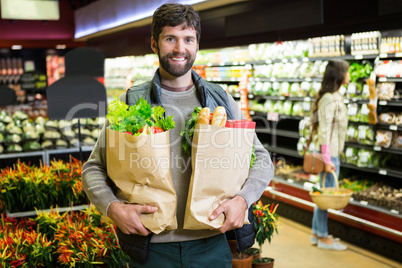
pixel 261 173
pixel 95 182
pixel 326 113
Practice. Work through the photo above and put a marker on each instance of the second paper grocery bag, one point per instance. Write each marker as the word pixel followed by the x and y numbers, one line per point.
pixel 140 168
pixel 220 161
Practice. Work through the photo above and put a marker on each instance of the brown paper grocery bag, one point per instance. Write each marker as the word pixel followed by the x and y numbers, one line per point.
pixel 220 161
pixel 140 168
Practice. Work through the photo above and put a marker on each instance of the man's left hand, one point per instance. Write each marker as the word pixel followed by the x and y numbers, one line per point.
pixel 234 210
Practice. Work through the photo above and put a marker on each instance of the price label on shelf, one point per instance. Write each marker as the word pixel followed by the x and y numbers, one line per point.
pixel 377 148
pixel 383 55
pixel 308 79
pixel 272 116
pixel 364 203
pixel 235 63
pixel 394 211
pixel 382 172
pixel 268 61
pixel 307 99
pixel 399 54
pixel 382 79
pixel 237 95
pixel 359 57
pixel 393 127
pixel 250 96
pixel 290 180
pixel 382 102
pixel 305 59
pixel 252 113
pixel 282 98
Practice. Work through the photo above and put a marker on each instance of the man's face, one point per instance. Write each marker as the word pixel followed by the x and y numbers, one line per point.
pixel 176 49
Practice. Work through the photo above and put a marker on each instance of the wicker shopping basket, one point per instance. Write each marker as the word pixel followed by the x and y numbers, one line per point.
pixel 331 197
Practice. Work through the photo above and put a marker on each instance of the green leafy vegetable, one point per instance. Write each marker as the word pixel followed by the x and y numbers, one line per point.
pixel 131 119
pixel 188 131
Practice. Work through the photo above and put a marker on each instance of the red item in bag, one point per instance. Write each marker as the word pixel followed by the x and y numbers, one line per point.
pixel 243 123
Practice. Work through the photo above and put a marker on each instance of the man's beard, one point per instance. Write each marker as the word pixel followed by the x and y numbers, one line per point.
pixel 176 71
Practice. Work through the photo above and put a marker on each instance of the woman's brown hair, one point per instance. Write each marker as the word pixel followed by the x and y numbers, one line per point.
pixel 334 76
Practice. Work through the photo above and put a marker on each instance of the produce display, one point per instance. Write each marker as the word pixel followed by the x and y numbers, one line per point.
pixel 389 68
pixel 21 133
pixel 385 91
pixel 382 196
pixel 74 239
pixel 27 188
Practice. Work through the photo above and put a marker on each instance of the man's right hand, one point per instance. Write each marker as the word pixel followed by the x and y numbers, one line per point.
pixel 127 217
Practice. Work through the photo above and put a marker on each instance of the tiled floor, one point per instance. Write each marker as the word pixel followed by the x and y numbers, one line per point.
pixel 292 248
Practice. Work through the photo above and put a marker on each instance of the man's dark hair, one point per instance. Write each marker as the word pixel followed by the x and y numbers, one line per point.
pixel 174 15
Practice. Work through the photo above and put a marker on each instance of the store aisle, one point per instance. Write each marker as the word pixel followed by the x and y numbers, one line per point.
pixel 292 248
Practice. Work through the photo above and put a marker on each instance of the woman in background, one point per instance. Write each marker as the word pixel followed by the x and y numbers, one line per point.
pixel 330 138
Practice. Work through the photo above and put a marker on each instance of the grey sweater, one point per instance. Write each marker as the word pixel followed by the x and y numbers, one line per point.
pixel 180 105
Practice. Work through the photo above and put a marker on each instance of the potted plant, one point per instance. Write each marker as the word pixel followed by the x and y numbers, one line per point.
pixel 265 224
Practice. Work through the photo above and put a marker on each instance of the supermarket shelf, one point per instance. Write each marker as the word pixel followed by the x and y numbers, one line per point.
pixel 22 154
pixel 373 148
pixel 390 55
pixel 46 154
pixel 278 132
pixel 390 102
pixel 381 171
pixel 275 115
pixel 35 213
pixel 281 150
pixel 373 219
pixel 284 79
pixel 390 127
pixel 389 79
pixel 224 79
pixel 348 57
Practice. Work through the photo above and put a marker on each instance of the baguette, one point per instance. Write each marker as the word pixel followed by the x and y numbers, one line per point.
pixel 203 116
pixel 219 116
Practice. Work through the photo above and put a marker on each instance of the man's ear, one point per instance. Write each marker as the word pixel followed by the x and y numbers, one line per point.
pixel 154 45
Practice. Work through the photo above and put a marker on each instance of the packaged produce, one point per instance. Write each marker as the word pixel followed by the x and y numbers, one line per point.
pixel 2 127
pixel 351 155
pixel 284 89
pixel 31 146
pixel 287 107
pixel 397 140
pixel 398 119
pixel 14 148
pixel 353 112
pixel 297 109
pixel 363 115
pixel 364 158
pixel 385 91
pixel 387 118
pixel 351 134
pixel 383 138
pixel 365 135
pixel 295 90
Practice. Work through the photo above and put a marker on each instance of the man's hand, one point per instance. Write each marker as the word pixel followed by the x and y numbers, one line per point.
pixel 127 217
pixel 234 210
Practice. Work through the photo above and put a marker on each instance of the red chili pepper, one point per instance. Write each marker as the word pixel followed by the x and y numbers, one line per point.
pixel 128 132
pixel 272 207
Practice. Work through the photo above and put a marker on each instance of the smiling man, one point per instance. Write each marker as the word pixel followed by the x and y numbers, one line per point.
pixel 176 32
